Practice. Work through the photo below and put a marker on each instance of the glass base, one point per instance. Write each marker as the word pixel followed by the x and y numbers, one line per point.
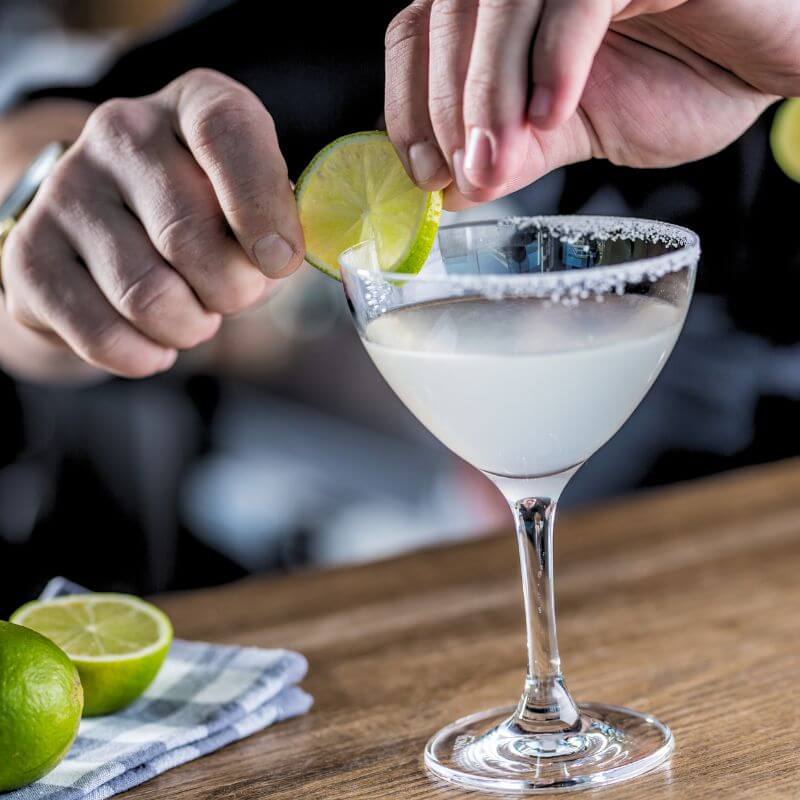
pixel 489 752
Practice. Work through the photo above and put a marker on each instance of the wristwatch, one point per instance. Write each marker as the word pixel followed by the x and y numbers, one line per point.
pixel 19 199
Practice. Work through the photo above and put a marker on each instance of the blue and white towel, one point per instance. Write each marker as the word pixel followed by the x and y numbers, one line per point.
pixel 205 697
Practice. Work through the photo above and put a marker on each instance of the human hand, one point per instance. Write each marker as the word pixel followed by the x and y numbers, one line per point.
pixel 643 83
pixel 168 213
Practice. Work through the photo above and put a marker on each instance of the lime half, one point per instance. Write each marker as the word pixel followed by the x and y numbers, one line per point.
pixel 785 138
pixel 356 190
pixel 117 642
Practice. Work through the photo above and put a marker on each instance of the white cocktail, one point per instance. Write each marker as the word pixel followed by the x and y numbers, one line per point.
pixel 524 345
pixel 521 387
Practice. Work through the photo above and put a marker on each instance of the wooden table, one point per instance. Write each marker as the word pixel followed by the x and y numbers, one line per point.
pixel 683 602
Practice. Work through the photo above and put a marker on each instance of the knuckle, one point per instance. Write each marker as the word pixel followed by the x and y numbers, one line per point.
pixel 410 23
pixel 224 118
pixel 445 112
pixel 105 346
pixel 69 185
pixel 479 84
pixel 108 119
pixel 14 308
pixel 401 130
pixel 101 344
pixel 18 259
pixel 502 6
pixel 17 251
pixel 144 296
pixel 203 76
pixel 123 125
pixel 21 257
pixel 156 295
pixel 480 98
pixel 186 232
pixel 445 12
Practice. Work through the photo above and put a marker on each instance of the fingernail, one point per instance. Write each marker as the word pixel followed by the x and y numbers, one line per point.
pixel 464 186
pixel 542 102
pixel 273 254
pixel 480 151
pixel 425 160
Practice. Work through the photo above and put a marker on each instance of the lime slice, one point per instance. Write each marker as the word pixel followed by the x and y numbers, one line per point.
pixel 785 138
pixel 117 642
pixel 356 190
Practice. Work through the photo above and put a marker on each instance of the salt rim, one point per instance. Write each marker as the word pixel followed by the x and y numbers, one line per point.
pixel 574 283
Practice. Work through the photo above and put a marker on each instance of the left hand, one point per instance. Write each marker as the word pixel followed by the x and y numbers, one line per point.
pixel 493 94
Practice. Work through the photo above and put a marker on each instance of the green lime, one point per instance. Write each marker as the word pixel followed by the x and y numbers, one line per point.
pixel 40 706
pixel 117 642
pixel 785 138
pixel 356 190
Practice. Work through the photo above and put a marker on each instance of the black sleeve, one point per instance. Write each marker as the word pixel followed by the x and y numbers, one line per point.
pixel 318 69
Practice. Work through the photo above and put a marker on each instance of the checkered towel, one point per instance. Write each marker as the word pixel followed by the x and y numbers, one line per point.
pixel 205 697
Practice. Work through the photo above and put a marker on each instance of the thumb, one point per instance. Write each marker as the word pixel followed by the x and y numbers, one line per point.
pixel 546 150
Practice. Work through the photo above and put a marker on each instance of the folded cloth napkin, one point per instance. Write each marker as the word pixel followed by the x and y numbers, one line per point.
pixel 205 697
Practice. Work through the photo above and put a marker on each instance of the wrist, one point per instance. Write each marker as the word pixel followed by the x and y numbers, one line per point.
pixel 24 131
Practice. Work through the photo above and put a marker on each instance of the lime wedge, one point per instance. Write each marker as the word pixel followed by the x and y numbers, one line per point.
pixel 356 190
pixel 785 138
pixel 117 642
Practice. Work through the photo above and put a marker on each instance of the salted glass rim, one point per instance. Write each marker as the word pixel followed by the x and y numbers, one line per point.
pixel 684 253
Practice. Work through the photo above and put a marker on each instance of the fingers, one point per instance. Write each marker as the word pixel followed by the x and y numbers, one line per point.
pixel 232 137
pixel 125 265
pixel 133 145
pixel 483 94
pixel 496 90
pixel 451 37
pixel 407 120
pixel 545 151
pixel 569 36
pixel 168 212
pixel 48 289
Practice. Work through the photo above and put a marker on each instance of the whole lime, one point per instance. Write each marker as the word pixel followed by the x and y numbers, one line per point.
pixel 41 701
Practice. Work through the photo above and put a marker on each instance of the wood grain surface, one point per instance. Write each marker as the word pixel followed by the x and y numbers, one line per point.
pixel 682 602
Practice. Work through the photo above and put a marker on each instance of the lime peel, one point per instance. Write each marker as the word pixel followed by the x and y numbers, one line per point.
pixel 785 138
pixel 117 642
pixel 41 700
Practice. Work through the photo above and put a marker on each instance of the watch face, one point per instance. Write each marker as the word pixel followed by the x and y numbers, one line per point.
pixel 31 180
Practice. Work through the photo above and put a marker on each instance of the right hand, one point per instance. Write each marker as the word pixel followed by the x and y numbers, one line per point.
pixel 168 213
pixel 486 96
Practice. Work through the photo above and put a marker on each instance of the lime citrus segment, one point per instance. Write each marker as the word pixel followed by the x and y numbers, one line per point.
pixel 357 190
pixel 785 138
pixel 117 642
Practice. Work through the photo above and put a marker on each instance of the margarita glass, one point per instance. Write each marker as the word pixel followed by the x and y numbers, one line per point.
pixel 523 345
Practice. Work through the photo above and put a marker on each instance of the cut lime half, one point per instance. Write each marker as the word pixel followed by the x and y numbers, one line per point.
pixel 785 138
pixel 356 190
pixel 117 642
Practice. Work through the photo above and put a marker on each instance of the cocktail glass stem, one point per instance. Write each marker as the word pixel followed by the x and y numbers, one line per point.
pixel 546 708
pixel 546 705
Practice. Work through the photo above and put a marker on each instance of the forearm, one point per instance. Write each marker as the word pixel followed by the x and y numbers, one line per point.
pixel 23 133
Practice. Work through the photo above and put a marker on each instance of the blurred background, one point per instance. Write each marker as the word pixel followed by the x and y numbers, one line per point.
pixel 278 446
